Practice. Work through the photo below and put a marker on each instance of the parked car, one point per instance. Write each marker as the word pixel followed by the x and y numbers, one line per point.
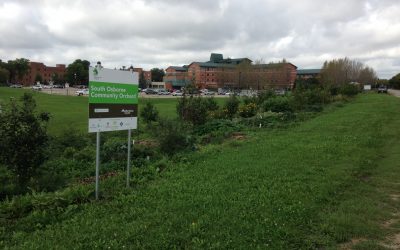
pixel 163 92
pixel 82 92
pixel 58 86
pixel 18 86
pixel 151 92
pixel 177 93
pixel 37 87
pixel 207 92
pixel 382 89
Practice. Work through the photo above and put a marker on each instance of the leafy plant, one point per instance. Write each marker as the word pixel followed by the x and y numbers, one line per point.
pixel 173 136
pixel 231 106
pixel 23 139
pixel 149 113
pixel 278 104
pixel 248 110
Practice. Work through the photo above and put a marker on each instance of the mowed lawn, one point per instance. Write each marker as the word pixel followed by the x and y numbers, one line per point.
pixel 72 111
pixel 326 181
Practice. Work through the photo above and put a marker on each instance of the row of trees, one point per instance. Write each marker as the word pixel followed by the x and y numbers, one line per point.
pixel 13 70
pixel 342 71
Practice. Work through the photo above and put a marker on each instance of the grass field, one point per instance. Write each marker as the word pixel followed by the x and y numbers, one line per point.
pixel 327 181
pixel 72 111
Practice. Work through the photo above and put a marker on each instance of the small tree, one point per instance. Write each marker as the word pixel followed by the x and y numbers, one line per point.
pixel 231 106
pixel 23 139
pixel 149 113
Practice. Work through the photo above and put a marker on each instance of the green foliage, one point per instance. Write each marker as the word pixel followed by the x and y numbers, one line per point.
pixel 395 81
pixel 78 72
pixel 7 180
pixel 267 120
pixel 231 106
pixel 173 137
pixel 21 206
pixel 149 113
pixel 51 176
pixel 310 99
pixel 278 104
pixel 216 130
pixel 248 110
pixel 157 74
pixel 23 138
pixel 349 89
pixel 195 110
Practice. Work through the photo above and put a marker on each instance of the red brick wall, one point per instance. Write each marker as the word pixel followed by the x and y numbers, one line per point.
pixel 38 68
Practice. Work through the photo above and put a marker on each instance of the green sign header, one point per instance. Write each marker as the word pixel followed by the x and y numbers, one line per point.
pixel 118 93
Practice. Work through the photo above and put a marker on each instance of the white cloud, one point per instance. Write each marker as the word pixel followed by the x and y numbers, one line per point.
pixel 155 33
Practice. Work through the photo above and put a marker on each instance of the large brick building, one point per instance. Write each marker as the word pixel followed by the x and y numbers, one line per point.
pixel 47 73
pixel 232 73
pixel 146 74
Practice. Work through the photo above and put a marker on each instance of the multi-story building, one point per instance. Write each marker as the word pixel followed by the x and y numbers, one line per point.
pixel 232 73
pixel 46 73
pixel 146 74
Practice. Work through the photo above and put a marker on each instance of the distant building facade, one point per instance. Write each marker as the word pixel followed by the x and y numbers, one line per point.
pixel 232 73
pixel 146 74
pixel 46 73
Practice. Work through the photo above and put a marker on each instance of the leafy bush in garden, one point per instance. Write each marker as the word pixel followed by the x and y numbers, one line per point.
pixel 231 106
pixel 310 99
pixel 264 95
pixel 23 139
pixel 195 110
pixel 7 180
pixel 248 110
pixel 278 104
pixel 149 113
pixel 216 130
pixel 20 206
pixel 267 119
pixel 349 89
pixel 173 136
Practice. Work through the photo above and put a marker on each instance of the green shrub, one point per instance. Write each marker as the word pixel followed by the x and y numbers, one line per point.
pixel 195 110
pixel 278 104
pixel 51 176
pixel 217 130
pixel 21 206
pixel 7 180
pixel 23 139
pixel 149 113
pixel 309 99
pixel 264 95
pixel 231 106
pixel 114 149
pixel 173 136
pixel 248 110
pixel 267 119
pixel 69 138
pixel 349 89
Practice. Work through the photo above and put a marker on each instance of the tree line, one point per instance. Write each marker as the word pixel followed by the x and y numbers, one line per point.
pixel 13 71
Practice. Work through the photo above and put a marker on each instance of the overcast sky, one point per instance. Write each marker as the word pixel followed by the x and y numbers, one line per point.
pixel 155 33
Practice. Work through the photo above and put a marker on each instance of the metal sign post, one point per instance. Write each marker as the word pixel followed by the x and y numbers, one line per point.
pixel 113 106
pixel 128 166
pixel 97 163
